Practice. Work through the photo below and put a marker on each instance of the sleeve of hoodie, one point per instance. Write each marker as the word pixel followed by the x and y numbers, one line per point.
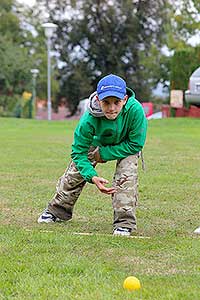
pixel 135 139
pixel 83 137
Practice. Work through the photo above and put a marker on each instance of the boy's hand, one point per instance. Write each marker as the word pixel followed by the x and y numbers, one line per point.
pixel 100 183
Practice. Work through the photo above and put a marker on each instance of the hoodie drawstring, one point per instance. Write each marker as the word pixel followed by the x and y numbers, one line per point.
pixel 143 162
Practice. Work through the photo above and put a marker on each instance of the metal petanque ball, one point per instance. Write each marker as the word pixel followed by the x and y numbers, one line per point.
pixel 131 283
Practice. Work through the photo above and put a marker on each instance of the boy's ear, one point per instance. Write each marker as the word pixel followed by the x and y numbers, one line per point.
pixel 125 98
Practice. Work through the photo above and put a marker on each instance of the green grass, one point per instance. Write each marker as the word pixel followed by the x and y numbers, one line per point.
pixel 51 262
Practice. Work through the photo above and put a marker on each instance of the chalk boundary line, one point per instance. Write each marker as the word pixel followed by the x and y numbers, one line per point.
pixel 95 234
pixel 104 234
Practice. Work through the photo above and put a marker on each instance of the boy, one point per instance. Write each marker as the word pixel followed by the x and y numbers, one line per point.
pixel 113 128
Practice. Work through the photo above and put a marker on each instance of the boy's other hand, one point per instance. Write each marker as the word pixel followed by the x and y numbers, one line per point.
pixel 97 156
pixel 100 184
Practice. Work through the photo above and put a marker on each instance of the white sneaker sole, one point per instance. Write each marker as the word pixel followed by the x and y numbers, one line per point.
pixel 122 234
pixel 40 220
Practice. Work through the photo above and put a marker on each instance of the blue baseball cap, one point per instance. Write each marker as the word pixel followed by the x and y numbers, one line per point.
pixel 111 86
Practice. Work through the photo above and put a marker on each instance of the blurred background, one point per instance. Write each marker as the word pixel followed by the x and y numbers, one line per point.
pixel 153 45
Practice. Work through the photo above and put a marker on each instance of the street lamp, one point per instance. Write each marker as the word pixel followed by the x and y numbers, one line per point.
pixel 49 29
pixel 34 73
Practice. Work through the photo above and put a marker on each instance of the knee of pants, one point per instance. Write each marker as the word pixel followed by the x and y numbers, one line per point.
pixel 123 209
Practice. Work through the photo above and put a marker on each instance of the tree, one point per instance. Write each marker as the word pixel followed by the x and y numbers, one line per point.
pixel 100 37
pixel 15 74
pixel 114 38
pixel 34 41
pixel 15 68
pixel 97 37
pixel 183 63
pixel 183 24
pixel 9 23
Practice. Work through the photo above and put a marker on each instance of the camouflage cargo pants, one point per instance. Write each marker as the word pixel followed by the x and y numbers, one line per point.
pixel 124 201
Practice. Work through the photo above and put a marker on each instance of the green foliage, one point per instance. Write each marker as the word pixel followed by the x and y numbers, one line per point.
pixel 156 66
pixel 16 106
pixel 10 105
pixel 183 64
pixel 51 261
pixel 27 109
pixel 6 5
pixel 15 74
pixel 15 68
pixel 10 23
pixel 103 37
pixel 78 86
pixel 9 26
pixel 39 61
pixel 21 51
pixel 183 23
pixel 95 38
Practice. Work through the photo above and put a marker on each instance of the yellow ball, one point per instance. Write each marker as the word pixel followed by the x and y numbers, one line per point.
pixel 131 283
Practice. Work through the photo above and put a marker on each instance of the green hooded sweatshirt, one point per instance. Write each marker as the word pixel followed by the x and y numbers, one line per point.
pixel 116 139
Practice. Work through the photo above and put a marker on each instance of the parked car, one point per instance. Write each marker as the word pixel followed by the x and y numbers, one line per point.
pixel 192 95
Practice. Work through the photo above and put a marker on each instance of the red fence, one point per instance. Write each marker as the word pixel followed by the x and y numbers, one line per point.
pixel 192 112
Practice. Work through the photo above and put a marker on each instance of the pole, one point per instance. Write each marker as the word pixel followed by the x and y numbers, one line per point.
pixel 32 99
pixel 32 102
pixel 49 78
pixel 33 96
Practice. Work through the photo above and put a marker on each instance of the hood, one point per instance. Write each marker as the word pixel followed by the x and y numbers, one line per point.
pixel 94 107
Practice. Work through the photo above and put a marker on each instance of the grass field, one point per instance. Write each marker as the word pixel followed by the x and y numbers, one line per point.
pixel 51 262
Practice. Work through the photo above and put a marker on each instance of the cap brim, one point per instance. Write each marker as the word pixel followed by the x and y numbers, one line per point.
pixel 111 94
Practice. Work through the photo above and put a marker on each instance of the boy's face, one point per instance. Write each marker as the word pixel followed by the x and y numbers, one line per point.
pixel 111 106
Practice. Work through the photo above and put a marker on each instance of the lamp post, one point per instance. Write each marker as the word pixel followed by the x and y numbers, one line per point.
pixel 49 29
pixel 34 73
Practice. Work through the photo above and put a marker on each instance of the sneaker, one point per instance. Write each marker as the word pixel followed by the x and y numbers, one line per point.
pixel 122 231
pixel 197 231
pixel 47 217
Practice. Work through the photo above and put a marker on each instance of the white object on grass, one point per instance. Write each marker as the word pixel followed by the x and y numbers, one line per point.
pixel 197 231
